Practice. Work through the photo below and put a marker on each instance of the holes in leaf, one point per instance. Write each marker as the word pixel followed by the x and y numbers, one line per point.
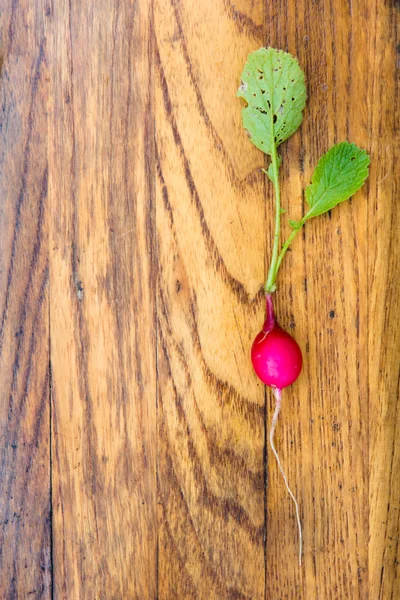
pixel 260 71
pixel 269 104
pixel 263 91
pixel 261 77
pixel 254 94
pixel 275 118
pixel 293 99
pixel 353 158
pixel 292 80
pixel 264 112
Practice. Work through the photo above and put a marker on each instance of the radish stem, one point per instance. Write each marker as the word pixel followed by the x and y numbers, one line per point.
pixel 278 397
pixel 285 247
pixel 270 283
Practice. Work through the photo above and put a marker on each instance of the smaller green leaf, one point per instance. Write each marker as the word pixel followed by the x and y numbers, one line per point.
pixel 340 173
pixel 295 224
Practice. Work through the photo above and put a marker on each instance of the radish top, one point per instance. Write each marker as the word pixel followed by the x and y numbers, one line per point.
pixel 273 85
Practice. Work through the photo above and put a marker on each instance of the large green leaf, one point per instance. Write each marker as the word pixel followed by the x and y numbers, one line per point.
pixel 273 86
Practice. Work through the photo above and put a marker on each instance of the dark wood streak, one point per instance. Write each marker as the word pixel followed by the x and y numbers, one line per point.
pixel 236 286
pixel 11 27
pixel 60 494
pixel 10 467
pixel 172 546
pixel 39 424
pixel 222 588
pixel 22 191
pixel 116 289
pixel 225 458
pixel 226 394
pixel 12 431
pixel 218 142
pixel 253 176
pixel 243 22
pixel 220 506
pixel 350 78
pixel 384 376
pixel 23 314
pixel 232 396
pixel 50 437
pixel 333 53
pixel 32 347
pixel 25 566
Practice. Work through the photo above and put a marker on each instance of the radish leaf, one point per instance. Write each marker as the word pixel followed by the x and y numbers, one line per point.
pixel 273 86
pixel 339 174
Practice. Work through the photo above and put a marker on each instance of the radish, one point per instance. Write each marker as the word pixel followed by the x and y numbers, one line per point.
pixel 275 355
pixel 273 85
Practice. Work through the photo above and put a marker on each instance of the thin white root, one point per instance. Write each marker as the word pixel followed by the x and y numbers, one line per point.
pixel 278 396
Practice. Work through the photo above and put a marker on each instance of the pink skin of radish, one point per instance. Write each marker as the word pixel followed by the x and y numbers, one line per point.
pixel 275 355
pixel 277 361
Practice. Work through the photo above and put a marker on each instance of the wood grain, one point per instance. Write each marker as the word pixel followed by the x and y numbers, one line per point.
pixel 210 245
pixel 25 508
pixel 323 297
pixel 102 301
pixel 135 232
pixel 384 306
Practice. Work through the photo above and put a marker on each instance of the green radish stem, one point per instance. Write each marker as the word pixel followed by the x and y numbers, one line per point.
pixel 285 247
pixel 277 257
pixel 278 398
pixel 273 269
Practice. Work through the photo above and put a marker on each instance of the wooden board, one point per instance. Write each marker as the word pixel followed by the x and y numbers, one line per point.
pixel 384 305
pixel 102 282
pixel 143 449
pixel 25 503
pixel 210 244
pixel 323 298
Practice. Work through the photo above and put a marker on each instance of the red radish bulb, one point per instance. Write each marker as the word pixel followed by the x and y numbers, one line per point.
pixel 275 355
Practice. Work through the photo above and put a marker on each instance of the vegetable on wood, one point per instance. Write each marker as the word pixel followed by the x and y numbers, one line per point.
pixel 273 86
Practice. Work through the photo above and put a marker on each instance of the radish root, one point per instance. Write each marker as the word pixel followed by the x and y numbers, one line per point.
pixel 278 397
